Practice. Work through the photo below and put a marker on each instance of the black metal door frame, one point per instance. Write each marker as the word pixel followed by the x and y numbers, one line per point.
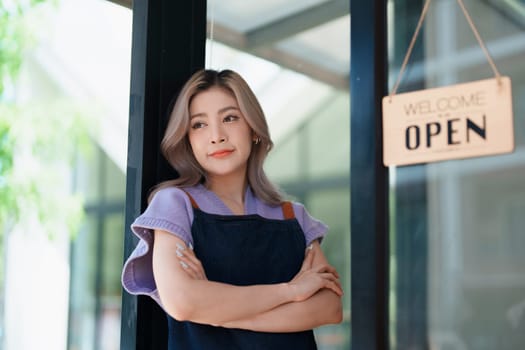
pixel 168 45
pixel 368 177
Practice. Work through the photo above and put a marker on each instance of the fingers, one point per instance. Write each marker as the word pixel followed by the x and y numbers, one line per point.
pixel 190 263
pixel 306 283
pixel 327 268
pixel 308 259
pixel 193 269
pixel 332 282
pixel 335 287
pixel 190 255
pixel 190 271
pixel 332 276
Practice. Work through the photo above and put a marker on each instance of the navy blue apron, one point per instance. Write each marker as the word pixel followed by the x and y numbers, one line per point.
pixel 243 250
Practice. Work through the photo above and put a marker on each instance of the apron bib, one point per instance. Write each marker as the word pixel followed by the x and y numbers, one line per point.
pixel 243 250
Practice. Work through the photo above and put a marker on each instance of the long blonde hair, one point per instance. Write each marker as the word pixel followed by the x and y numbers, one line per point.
pixel 176 147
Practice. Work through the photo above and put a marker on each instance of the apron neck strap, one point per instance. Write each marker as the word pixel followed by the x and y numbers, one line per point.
pixel 192 201
pixel 288 212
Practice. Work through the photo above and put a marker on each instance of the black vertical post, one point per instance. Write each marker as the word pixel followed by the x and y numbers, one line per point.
pixel 411 227
pixel 369 178
pixel 168 45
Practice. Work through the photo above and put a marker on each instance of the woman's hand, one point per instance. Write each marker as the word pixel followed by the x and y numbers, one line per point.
pixel 308 281
pixel 189 262
pixel 311 279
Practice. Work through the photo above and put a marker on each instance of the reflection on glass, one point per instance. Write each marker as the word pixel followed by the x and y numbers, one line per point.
pixel 96 258
pixel 457 239
pixel 295 56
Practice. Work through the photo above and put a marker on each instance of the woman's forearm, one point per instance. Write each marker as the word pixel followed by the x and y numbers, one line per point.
pixel 217 303
pixel 203 301
pixel 322 308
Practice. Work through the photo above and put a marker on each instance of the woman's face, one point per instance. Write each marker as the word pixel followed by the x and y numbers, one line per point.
pixel 219 135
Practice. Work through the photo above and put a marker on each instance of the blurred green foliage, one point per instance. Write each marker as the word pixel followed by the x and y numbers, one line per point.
pixel 6 164
pixel 14 37
pixel 38 140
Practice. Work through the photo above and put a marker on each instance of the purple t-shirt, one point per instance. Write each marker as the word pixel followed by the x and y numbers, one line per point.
pixel 170 210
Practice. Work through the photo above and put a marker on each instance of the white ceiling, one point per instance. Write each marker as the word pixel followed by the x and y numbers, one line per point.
pixel 311 37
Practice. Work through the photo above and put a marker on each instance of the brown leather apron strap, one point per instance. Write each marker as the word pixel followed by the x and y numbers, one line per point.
pixel 192 201
pixel 288 212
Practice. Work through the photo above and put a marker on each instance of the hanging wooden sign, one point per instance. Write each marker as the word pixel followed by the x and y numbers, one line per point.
pixel 459 121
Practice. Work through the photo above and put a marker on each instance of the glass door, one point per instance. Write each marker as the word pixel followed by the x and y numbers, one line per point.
pixel 295 55
pixel 457 236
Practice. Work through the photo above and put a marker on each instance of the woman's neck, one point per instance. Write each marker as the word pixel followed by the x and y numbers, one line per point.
pixel 230 190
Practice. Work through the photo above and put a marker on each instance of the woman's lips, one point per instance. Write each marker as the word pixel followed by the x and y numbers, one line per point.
pixel 221 154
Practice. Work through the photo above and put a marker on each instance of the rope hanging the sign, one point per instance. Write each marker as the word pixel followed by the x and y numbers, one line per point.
pixel 416 33
pixel 211 34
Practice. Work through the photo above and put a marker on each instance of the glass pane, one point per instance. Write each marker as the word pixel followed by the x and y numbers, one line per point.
pixel 288 153
pixel 457 238
pixel 64 100
pixel 96 261
pixel 333 206
pixel 110 296
pixel 299 69
pixel 81 332
pixel 328 156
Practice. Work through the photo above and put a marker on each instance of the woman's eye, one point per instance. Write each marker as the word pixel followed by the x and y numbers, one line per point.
pixel 230 118
pixel 197 125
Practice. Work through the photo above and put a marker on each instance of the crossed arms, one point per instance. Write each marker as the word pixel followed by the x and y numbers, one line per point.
pixel 312 298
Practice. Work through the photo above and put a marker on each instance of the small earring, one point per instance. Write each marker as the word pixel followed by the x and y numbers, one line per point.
pixel 257 140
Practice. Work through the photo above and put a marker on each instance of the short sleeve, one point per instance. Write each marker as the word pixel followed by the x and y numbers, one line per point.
pixel 313 229
pixel 169 210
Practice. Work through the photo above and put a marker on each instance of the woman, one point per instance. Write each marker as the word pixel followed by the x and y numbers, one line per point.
pixel 232 264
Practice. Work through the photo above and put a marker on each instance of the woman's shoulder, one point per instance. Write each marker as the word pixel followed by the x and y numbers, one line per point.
pixel 175 195
pixel 313 228
pixel 277 211
pixel 167 202
pixel 169 209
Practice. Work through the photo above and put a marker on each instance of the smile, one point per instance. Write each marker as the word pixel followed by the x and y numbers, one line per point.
pixel 221 153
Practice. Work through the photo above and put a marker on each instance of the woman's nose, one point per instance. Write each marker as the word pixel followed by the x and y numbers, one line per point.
pixel 217 135
pixel 218 140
